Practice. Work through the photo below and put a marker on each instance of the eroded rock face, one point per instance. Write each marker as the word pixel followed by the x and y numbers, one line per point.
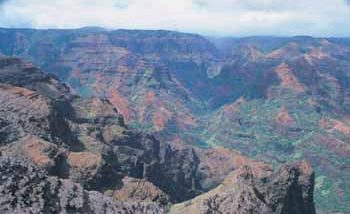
pixel 37 151
pixel 58 149
pixel 23 74
pixel 33 109
pixel 287 191
pixel 290 190
pixel 134 189
pixel 164 82
pixel 27 189
pixel 87 141
pixel 45 102
pixel 84 166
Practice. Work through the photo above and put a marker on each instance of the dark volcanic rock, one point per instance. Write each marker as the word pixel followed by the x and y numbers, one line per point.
pixel 34 103
pixel 291 189
pixel 288 191
pixel 134 189
pixel 23 74
pixel 24 111
pixel 27 189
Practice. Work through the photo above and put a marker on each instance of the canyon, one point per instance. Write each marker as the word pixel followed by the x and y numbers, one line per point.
pixel 168 109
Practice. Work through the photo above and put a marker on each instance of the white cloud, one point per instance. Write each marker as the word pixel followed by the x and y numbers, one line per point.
pixel 223 17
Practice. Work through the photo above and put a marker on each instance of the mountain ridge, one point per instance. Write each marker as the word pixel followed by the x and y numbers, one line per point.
pixel 176 86
pixel 60 153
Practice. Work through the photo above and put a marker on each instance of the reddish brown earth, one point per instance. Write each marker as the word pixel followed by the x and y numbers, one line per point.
pixel 182 86
pixel 283 118
pixel 288 80
pixel 63 153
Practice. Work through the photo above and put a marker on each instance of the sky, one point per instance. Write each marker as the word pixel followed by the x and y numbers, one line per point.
pixel 208 17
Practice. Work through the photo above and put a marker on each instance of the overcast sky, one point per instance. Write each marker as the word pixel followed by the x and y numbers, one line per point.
pixel 210 17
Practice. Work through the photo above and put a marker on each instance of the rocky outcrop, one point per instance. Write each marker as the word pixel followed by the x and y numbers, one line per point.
pixel 37 151
pixel 19 73
pixel 288 191
pixel 134 190
pixel 27 189
pixel 26 111
pixel 291 189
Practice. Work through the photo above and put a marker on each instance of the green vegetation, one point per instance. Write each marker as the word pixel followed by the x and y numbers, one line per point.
pixel 254 130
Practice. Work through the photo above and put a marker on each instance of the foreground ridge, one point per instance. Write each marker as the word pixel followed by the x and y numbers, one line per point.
pixel 289 190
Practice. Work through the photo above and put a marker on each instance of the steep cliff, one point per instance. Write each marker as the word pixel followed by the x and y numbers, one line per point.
pixel 287 191
pixel 64 154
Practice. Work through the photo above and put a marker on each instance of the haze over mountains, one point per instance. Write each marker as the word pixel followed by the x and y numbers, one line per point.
pixel 273 99
pixel 208 17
